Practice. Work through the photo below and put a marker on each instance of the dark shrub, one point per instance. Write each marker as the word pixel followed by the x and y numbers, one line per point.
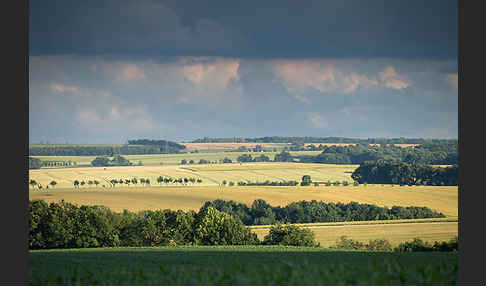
pixel 289 235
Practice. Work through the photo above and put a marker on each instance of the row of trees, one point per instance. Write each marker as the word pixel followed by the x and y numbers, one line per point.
pixel 164 146
pixel 134 147
pixel 36 163
pixel 39 186
pixel 261 213
pixel 416 244
pixel 438 154
pixel 310 139
pixel 382 172
pixel 65 225
pixel 142 181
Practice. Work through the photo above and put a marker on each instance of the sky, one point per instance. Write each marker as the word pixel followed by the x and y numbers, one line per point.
pixel 107 71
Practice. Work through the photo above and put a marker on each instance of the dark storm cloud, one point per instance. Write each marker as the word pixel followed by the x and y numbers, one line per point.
pixel 109 70
pixel 250 29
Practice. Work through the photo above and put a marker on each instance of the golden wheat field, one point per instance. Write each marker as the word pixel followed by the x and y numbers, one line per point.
pixel 193 195
pixel 211 175
pixel 394 232
pixel 442 199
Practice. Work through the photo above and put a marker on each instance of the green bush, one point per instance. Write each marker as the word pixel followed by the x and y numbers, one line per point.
pixel 378 245
pixel 290 235
pixel 373 245
pixel 213 227
pixel 344 242
pixel 419 245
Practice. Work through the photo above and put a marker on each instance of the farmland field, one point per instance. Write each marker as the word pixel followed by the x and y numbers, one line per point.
pixel 211 175
pixel 395 232
pixel 171 159
pixel 238 265
pixel 191 197
pixel 441 199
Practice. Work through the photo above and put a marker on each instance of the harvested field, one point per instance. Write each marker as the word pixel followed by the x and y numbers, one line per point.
pixel 394 232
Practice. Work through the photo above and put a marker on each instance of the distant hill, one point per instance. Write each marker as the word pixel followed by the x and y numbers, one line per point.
pixel 134 147
pixel 310 139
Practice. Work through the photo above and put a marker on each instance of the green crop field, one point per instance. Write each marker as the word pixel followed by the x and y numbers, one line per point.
pixel 239 265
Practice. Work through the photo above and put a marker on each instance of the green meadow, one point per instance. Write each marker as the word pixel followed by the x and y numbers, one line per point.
pixel 239 265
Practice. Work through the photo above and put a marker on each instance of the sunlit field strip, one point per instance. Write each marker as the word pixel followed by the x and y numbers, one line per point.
pixel 394 232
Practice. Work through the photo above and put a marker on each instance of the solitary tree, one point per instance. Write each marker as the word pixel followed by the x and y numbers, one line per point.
pixel 33 183
pixel 53 183
pixel 306 180
pixel 76 183
pixel 96 183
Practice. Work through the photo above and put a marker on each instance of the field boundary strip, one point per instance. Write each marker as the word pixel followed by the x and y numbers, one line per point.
pixel 372 222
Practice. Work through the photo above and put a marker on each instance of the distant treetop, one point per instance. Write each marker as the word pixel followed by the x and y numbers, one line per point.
pixel 310 139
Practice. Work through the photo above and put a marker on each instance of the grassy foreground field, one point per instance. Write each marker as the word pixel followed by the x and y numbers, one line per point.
pixel 239 265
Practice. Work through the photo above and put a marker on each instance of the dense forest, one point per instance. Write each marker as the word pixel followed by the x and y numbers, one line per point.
pixel 142 148
pixel 381 172
pixel 262 213
pixel 165 146
pixel 310 139
pixel 430 153
pixel 65 225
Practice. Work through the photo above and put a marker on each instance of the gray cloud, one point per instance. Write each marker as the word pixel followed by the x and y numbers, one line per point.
pixel 98 100
pixel 250 29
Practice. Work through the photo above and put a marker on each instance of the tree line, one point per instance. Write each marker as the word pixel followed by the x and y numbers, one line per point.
pixel 262 213
pixel 382 172
pixel 416 244
pixel 330 139
pixel 66 225
pixel 165 146
pixel 102 150
pixel 435 154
